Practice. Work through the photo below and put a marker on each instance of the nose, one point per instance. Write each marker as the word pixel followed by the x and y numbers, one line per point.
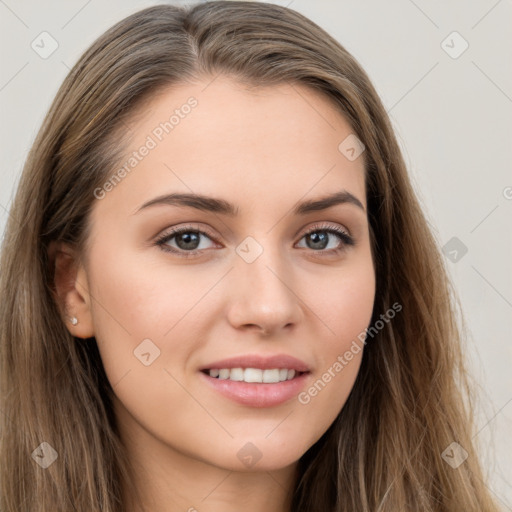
pixel 265 297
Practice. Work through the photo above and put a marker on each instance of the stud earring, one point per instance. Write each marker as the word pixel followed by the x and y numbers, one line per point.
pixel 73 320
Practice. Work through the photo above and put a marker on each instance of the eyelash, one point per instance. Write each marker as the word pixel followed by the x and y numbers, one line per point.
pixel 345 238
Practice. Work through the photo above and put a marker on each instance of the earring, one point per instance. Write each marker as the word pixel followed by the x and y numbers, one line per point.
pixel 73 320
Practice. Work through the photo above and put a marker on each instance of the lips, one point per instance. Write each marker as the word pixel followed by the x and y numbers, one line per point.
pixel 250 380
pixel 258 394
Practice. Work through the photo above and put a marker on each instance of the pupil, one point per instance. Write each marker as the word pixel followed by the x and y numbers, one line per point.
pixel 319 237
pixel 190 240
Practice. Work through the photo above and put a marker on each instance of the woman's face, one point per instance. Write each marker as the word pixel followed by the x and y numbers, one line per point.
pixel 244 280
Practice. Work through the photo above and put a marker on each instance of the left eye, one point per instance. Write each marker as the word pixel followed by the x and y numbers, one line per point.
pixel 187 240
pixel 320 238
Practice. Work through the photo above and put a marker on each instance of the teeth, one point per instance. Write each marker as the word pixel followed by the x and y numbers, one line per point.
pixel 252 375
pixel 237 374
pixel 223 374
pixel 270 376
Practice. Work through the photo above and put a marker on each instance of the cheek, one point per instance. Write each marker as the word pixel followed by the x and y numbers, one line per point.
pixel 143 319
pixel 344 304
pixel 134 300
pixel 142 295
pixel 345 307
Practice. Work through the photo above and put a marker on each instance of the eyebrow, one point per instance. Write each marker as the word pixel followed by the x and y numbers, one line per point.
pixel 211 204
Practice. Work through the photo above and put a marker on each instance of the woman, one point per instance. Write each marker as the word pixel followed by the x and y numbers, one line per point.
pixel 219 289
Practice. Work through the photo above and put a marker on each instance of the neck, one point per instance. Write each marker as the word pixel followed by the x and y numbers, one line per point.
pixel 184 485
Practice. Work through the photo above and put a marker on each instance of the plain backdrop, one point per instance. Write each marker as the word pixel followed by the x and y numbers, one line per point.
pixel 444 72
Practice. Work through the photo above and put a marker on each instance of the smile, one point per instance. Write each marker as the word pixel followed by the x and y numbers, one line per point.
pixel 256 393
pixel 267 376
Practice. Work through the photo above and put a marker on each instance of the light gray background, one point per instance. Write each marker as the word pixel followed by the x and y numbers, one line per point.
pixel 452 117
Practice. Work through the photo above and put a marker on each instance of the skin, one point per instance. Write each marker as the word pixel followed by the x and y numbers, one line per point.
pixel 182 436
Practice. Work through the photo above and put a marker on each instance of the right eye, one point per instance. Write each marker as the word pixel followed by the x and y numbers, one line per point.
pixel 186 240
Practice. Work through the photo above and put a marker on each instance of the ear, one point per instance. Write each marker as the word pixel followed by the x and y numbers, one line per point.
pixel 71 289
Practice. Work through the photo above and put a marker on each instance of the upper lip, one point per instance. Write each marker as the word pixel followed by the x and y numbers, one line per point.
pixel 260 361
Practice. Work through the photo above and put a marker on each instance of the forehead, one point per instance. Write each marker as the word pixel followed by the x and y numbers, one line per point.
pixel 253 145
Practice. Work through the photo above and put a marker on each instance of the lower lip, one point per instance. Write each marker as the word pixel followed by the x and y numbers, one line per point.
pixel 258 394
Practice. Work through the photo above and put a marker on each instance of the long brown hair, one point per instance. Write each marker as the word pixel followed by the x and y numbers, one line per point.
pixel 411 399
